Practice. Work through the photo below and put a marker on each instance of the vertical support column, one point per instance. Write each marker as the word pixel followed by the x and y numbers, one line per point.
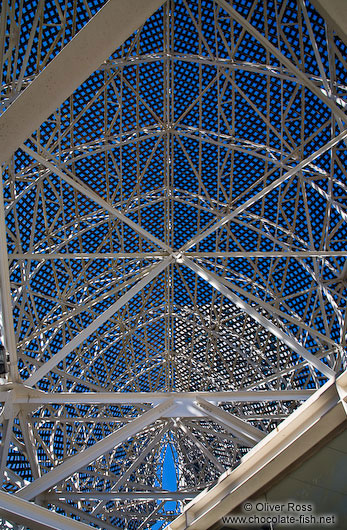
pixel 168 170
pixel 7 425
pixel 8 335
pixel 30 444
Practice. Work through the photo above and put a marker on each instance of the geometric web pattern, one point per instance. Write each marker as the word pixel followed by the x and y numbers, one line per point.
pixel 174 243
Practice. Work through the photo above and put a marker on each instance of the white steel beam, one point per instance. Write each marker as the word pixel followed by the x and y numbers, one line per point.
pixel 84 458
pixel 30 444
pixel 81 187
pixel 37 398
pixel 121 496
pixel 92 45
pixel 84 516
pixel 101 319
pixel 290 341
pixel 204 450
pixel 258 254
pixel 285 446
pixel 315 47
pixel 276 312
pixel 106 255
pixel 202 235
pixel 334 11
pixel 299 74
pixel 7 427
pixel 33 516
pixel 6 314
pixel 123 479
pixel 240 428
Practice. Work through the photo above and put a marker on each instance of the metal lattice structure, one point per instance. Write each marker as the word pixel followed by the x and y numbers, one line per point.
pixel 173 247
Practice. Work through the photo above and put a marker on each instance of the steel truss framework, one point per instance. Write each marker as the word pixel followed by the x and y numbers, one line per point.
pixel 173 244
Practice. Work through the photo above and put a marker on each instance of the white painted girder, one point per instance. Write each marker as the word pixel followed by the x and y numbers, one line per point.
pixel 86 517
pixel 204 450
pixel 36 517
pixel 7 426
pixel 133 466
pixel 290 341
pixel 37 398
pixel 92 45
pixel 101 319
pixel 84 458
pixel 85 190
pixel 6 323
pixel 316 419
pixel 240 428
pixel 121 496
pixel 262 193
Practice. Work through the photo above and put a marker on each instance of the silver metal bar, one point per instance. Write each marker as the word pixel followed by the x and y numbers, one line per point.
pixel 314 46
pixel 204 450
pixel 7 426
pixel 270 326
pixel 101 319
pixel 300 75
pixel 269 254
pixel 94 43
pixel 29 514
pixel 30 445
pixel 89 255
pixel 35 397
pixel 3 24
pixel 278 313
pixel 240 428
pixel 265 191
pixel 122 496
pixel 38 12
pixel 85 190
pixel 284 447
pixel 86 517
pixel 140 458
pixel 7 323
pixel 220 62
pixel 84 458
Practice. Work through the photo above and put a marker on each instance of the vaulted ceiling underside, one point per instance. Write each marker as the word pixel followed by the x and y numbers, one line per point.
pixel 178 224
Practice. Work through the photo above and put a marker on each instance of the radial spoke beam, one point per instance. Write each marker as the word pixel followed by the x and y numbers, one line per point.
pixel 92 45
pixel 101 319
pixel 202 235
pixel 204 450
pixel 86 191
pixel 290 341
pixel 240 428
pixel 37 398
pixel 270 254
pixel 86 457
pixel 137 462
